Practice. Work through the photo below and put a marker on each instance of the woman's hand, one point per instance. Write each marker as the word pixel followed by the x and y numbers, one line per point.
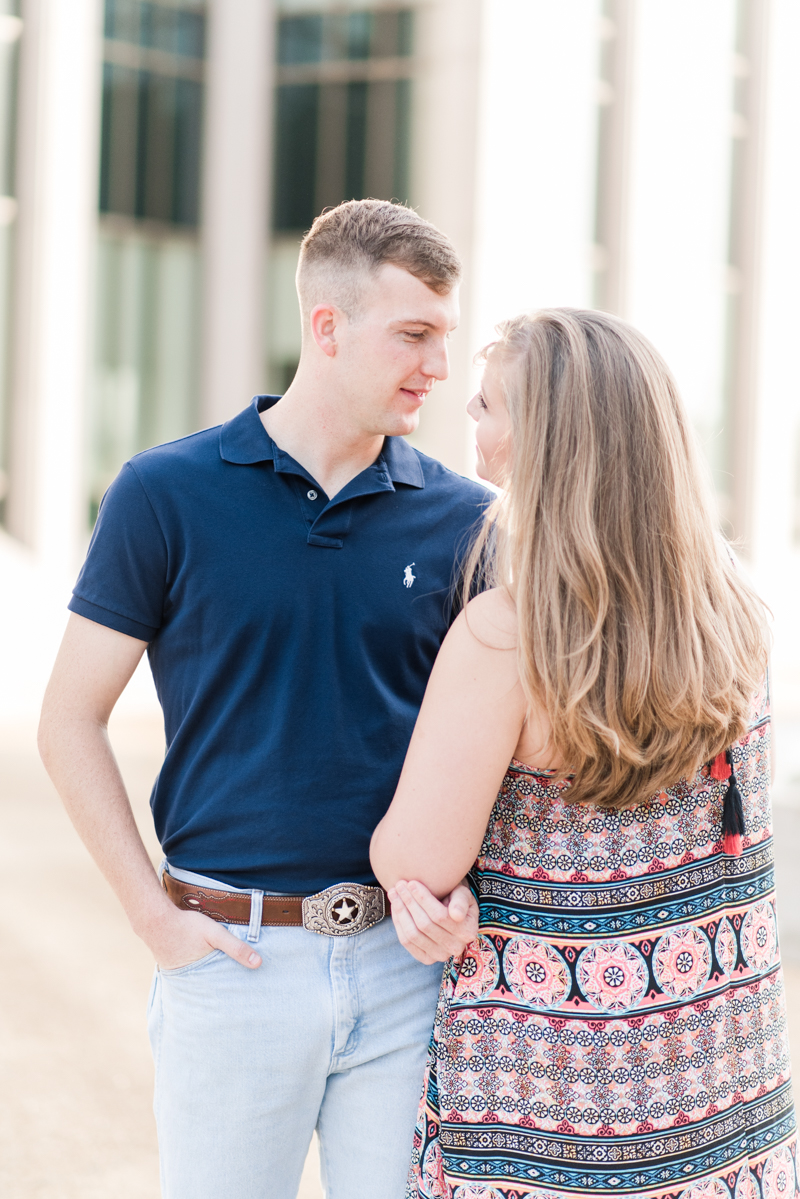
pixel 433 930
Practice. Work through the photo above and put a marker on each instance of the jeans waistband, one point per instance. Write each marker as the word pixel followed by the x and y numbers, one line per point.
pixel 202 880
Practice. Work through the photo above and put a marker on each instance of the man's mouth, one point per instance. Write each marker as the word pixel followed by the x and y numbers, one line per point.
pixel 419 396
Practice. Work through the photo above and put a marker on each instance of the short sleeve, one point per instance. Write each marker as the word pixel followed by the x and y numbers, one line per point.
pixel 122 582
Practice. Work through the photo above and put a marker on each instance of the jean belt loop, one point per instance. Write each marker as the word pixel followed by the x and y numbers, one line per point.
pixel 256 910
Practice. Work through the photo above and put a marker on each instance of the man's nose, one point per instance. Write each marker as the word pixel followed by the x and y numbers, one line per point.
pixel 437 363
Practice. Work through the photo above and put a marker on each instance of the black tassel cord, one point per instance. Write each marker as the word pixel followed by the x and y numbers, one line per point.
pixel 732 807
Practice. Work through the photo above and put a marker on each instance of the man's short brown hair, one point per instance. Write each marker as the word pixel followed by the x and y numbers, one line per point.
pixel 356 238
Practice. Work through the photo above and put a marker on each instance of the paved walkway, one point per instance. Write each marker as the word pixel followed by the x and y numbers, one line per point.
pixel 75 1111
pixel 76 1121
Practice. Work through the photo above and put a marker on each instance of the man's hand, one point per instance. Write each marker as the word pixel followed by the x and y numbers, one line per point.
pixel 93 666
pixel 433 931
pixel 180 938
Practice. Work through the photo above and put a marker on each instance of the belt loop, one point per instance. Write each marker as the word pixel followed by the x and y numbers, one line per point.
pixel 256 914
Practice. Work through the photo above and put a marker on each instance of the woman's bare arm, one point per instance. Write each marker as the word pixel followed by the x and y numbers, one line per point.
pixel 468 728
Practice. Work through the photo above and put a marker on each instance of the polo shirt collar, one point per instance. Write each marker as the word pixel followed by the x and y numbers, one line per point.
pixel 244 440
pixel 402 463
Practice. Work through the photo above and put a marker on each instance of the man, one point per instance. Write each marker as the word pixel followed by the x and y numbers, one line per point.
pixel 290 575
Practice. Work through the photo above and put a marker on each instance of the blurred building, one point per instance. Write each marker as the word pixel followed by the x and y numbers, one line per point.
pixel 159 162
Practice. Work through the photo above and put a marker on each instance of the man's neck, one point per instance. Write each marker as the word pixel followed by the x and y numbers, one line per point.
pixel 309 429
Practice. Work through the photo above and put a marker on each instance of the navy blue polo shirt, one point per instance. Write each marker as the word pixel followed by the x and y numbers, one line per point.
pixel 290 638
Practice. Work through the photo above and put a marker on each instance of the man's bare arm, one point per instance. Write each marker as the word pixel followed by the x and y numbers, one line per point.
pixel 93 667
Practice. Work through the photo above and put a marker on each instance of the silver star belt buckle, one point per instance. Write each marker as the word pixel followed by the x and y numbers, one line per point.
pixel 344 909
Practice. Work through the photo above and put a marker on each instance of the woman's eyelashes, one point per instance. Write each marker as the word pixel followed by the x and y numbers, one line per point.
pixel 481 401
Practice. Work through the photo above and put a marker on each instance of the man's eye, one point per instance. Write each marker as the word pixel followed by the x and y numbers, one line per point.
pixel 414 335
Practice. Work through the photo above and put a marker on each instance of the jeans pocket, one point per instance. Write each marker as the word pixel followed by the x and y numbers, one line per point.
pixel 153 989
pixel 191 966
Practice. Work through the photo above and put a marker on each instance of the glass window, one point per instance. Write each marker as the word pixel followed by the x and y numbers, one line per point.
pixel 10 31
pixel 300 39
pixel 152 111
pixel 146 348
pixel 318 37
pixel 173 28
pixel 343 111
pixel 148 265
pixel 343 131
pixel 296 154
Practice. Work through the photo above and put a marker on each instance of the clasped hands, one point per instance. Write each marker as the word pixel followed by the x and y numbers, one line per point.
pixel 433 930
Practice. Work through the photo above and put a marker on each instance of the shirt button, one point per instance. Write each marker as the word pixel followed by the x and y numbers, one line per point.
pixel 312 495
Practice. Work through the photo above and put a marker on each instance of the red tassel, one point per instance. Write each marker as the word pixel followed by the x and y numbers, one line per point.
pixel 732 844
pixel 720 770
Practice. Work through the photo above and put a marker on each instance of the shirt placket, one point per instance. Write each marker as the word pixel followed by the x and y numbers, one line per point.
pixel 328 520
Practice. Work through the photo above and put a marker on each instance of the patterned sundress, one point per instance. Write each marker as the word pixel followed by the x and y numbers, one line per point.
pixel 619 1026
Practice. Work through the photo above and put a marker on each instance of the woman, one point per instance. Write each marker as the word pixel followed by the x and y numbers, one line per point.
pixel 619 1024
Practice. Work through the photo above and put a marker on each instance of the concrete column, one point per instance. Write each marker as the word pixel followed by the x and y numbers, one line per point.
pixel 57 189
pixel 611 225
pixel 235 211
pixel 679 196
pixel 745 261
pixel 775 447
pixel 537 138
pixel 530 102
pixel 443 190
pixel 506 126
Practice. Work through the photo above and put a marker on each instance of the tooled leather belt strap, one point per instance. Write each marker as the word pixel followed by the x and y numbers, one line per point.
pixel 338 911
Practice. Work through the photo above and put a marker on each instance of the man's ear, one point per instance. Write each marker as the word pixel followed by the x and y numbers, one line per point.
pixel 325 319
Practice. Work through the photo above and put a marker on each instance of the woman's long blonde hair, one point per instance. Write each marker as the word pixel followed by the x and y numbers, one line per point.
pixel 635 630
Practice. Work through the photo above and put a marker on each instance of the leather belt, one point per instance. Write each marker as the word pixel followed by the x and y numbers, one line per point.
pixel 338 911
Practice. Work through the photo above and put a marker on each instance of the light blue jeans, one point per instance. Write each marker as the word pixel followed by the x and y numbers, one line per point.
pixel 329 1033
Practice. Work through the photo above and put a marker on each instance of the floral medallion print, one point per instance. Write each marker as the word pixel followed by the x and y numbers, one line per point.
pixel 433 1183
pixel 746 1185
pixel 759 938
pixel 476 1192
pixel 612 976
pixel 682 962
pixel 725 945
pixel 478 970
pixel 536 972
pixel 714 1188
pixel 778 1181
pixel 619 1027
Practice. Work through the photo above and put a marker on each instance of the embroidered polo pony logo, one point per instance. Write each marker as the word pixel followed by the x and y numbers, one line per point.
pixel 408 576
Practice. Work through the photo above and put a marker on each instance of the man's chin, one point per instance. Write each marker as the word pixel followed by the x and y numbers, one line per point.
pixel 400 426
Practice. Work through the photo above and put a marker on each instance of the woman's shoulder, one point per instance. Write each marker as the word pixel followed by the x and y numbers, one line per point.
pixel 491 619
